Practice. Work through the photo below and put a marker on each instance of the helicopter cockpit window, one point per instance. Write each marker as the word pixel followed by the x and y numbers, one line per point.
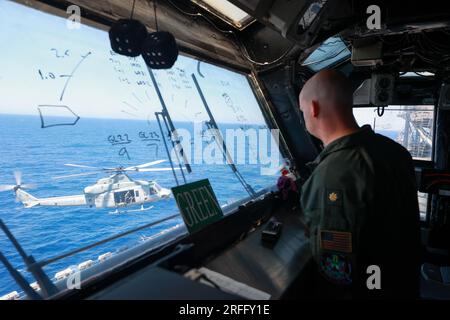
pixel 154 189
pixel 85 132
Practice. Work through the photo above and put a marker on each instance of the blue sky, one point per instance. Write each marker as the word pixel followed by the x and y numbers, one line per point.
pixel 41 52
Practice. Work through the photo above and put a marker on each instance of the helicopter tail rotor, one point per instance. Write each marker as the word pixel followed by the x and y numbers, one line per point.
pixel 7 187
pixel 18 177
pixel 18 185
pixel 18 188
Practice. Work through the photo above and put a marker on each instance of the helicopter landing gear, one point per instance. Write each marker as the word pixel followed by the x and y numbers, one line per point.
pixel 142 208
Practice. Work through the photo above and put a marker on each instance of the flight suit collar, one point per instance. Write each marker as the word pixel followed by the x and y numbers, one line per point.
pixel 347 141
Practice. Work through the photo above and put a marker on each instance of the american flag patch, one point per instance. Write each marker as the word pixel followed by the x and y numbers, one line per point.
pixel 336 241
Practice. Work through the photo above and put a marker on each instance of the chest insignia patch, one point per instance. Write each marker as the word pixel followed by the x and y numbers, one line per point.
pixel 333 196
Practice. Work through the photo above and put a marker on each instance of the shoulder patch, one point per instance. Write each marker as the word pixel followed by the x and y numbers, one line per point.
pixel 336 268
pixel 337 241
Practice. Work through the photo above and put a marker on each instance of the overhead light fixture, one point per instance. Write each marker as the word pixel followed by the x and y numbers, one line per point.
pixel 227 12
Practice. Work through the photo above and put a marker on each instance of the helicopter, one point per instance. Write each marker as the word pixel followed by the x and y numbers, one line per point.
pixel 116 191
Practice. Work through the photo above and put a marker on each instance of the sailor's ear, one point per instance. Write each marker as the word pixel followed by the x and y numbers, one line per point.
pixel 315 109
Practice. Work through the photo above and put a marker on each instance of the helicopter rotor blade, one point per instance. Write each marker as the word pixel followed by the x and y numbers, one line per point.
pixel 89 167
pixel 74 175
pixel 145 165
pixel 28 186
pixel 7 187
pixel 18 177
pixel 111 169
pixel 81 166
pixel 156 169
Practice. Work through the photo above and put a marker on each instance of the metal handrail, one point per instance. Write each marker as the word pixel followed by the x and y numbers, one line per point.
pixel 73 252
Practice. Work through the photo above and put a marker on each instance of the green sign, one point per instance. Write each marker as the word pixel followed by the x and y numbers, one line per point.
pixel 198 204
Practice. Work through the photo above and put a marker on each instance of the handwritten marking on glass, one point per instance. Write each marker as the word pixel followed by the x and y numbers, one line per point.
pixel 65 111
pixel 124 152
pixel 83 58
pixel 61 54
pixel 119 139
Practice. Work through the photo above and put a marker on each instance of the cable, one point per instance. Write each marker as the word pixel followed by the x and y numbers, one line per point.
pixel 132 9
pixel 247 56
pixel 198 14
pixel 240 44
pixel 393 43
pixel 156 19
pixel 432 52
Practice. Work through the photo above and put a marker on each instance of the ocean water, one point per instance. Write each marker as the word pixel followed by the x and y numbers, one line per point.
pixel 40 154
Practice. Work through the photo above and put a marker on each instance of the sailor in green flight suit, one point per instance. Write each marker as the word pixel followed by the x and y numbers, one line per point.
pixel 360 201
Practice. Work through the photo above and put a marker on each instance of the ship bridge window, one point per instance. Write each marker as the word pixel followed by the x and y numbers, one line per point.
pixel 74 112
pixel 411 126
pixel 417 74
pixel 332 51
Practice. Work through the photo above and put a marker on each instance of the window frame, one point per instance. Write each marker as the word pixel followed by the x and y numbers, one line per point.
pixel 422 163
pixel 418 162
pixel 94 20
pixel 98 22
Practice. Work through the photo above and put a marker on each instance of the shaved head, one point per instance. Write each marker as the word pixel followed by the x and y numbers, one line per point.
pixel 326 101
pixel 330 87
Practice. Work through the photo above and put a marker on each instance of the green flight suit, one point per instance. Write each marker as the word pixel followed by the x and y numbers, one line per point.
pixel 361 207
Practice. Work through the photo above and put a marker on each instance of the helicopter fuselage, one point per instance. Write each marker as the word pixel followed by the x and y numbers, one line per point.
pixel 115 191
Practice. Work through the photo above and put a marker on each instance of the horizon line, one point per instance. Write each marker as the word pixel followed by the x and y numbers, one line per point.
pixel 101 118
